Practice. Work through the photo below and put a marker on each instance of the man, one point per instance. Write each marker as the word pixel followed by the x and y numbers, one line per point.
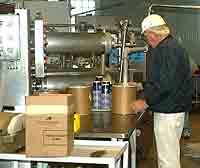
pixel 167 90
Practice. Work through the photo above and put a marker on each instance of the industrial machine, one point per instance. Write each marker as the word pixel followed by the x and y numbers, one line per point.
pixel 41 59
pixel 35 56
pixel 69 57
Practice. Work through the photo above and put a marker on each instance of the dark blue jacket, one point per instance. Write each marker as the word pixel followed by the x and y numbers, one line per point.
pixel 168 88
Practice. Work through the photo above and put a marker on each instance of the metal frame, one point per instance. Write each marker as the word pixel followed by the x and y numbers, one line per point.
pixel 39 49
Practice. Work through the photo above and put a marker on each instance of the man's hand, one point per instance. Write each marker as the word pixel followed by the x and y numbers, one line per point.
pixel 139 106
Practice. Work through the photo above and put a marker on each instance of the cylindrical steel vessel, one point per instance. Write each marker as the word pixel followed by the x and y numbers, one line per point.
pixel 122 97
pixel 82 98
pixel 60 82
pixel 64 42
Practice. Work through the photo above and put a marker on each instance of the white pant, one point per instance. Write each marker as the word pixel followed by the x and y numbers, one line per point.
pixel 168 129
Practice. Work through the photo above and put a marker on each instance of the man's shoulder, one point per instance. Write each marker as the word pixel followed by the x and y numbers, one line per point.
pixel 171 43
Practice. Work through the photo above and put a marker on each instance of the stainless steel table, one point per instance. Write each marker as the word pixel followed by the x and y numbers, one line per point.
pixel 104 124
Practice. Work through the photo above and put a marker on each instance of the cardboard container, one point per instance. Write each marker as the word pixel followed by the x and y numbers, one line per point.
pixel 123 123
pixel 49 125
pixel 122 97
pixel 82 98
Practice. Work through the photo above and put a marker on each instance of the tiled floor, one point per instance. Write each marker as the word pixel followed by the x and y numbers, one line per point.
pixel 190 148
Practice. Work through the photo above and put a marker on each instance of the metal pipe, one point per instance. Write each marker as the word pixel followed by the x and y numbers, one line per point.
pixel 65 73
pixel 124 32
pixel 117 45
pixel 63 42
pixel 172 6
pixel 137 49
pixel 125 67
pixel 103 64
pixel 61 25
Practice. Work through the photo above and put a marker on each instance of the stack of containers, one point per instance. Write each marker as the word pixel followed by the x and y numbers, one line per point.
pixel 102 94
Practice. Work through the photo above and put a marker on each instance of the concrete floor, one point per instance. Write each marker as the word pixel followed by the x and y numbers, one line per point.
pixel 190 148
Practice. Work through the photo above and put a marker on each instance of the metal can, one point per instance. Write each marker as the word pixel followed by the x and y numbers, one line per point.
pixel 106 96
pixel 96 94
pixel 97 85
pixel 106 82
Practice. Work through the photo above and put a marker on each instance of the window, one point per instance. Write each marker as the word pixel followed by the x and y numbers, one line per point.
pixel 82 6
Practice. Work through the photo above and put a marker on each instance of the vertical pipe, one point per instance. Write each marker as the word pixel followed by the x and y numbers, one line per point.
pixel 19 4
pixel 68 19
pixel 125 67
pixel 103 62
pixel 124 32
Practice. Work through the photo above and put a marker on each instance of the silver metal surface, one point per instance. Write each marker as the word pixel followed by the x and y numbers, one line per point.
pixel 63 73
pixel 61 82
pixel 173 6
pixel 15 75
pixel 62 42
pixel 39 49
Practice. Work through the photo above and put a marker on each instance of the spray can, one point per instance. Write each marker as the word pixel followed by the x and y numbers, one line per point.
pixel 96 94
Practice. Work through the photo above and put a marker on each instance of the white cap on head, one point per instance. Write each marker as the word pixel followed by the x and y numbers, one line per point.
pixel 152 21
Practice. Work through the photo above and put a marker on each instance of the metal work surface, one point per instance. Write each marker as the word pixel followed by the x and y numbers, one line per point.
pixel 104 124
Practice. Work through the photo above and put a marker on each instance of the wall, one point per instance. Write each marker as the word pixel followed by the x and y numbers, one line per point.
pixel 185 24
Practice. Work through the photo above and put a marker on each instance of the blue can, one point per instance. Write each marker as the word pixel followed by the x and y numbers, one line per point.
pixel 106 96
pixel 109 83
pixel 97 85
pixel 106 88
pixel 96 94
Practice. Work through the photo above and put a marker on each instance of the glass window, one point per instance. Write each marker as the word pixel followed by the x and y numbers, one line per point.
pixel 82 6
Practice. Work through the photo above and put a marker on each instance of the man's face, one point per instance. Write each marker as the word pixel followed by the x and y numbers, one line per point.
pixel 150 38
pixel 146 37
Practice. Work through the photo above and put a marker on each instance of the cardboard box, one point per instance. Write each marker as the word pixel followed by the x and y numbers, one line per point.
pixel 49 125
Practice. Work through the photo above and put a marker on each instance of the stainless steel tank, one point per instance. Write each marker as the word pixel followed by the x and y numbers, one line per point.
pixel 57 81
pixel 122 97
pixel 64 42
